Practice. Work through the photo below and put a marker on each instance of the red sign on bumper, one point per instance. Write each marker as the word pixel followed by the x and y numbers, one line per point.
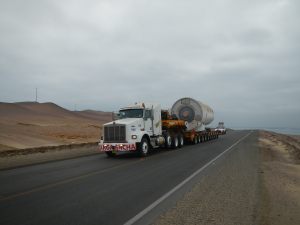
pixel 117 147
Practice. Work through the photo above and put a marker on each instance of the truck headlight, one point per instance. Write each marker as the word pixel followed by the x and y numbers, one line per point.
pixel 133 136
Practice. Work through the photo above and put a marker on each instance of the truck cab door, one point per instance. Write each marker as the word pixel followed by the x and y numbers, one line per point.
pixel 148 121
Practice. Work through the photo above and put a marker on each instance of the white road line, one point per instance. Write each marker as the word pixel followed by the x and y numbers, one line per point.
pixel 165 196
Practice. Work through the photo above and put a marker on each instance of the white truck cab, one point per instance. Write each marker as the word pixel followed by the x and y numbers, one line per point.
pixel 137 129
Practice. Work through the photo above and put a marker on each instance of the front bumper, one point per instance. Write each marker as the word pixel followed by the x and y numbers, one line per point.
pixel 117 147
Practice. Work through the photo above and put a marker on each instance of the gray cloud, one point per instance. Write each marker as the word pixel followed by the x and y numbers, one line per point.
pixel 241 57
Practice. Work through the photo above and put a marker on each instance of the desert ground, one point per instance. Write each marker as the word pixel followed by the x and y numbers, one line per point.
pixel 30 125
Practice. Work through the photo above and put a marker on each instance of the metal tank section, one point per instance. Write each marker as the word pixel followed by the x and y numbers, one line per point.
pixel 197 114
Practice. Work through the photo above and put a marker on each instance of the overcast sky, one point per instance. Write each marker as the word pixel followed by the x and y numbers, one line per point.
pixel 240 57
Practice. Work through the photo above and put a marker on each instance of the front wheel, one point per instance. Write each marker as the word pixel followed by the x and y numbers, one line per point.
pixel 110 154
pixel 144 147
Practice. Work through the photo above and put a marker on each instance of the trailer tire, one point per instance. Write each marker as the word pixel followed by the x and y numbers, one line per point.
pixel 198 139
pixel 195 140
pixel 180 141
pixel 144 147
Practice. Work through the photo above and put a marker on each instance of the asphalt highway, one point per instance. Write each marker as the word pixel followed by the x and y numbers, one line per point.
pixel 100 190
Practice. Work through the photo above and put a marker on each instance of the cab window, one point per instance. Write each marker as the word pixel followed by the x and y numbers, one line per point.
pixel 147 114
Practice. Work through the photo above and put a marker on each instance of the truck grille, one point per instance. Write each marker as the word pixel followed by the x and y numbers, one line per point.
pixel 114 133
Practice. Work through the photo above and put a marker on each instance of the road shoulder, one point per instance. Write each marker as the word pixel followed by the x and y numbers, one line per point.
pixel 26 157
pixel 228 194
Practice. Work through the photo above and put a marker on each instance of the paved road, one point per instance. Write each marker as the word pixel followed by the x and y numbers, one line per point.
pixel 100 190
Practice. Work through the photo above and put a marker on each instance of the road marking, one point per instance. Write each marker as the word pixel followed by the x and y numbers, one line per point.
pixel 48 186
pixel 165 196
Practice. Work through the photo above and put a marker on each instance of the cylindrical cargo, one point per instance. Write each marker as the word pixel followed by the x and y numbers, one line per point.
pixel 196 113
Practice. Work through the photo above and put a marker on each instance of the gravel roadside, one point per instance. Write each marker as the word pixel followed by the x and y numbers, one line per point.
pixel 228 194
pixel 32 156
pixel 281 178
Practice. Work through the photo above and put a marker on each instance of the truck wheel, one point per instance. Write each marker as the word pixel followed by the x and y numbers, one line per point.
pixel 201 139
pixel 174 141
pixel 110 154
pixel 168 140
pixel 144 147
pixel 180 140
pixel 195 140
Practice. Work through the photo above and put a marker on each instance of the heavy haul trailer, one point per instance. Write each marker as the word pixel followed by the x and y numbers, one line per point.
pixel 144 125
pixel 176 127
pixel 197 116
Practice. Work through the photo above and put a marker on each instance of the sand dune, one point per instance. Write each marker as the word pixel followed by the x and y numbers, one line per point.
pixel 31 124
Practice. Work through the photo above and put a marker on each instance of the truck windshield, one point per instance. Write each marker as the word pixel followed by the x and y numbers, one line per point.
pixel 131 113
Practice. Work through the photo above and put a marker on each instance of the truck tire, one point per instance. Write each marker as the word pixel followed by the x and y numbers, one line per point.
pixel 180 141
pixel 110 154
pixel 195 140
pixel 168 140
pixel 175 141
pixel 144 147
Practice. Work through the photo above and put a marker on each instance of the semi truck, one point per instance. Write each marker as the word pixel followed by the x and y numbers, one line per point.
pixel 142 127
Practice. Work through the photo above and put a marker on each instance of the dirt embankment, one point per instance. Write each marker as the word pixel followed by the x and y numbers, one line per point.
pixel 32 132
pixel 281 178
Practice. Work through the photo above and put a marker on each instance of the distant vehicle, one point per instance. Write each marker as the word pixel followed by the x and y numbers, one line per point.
pixel 144 126
pixel 221 128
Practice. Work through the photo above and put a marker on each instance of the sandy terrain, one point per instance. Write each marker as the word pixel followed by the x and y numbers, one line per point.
pixel 30 124
pixel 281 178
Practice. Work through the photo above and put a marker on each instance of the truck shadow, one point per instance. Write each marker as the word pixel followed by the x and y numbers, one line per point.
pixel 135 155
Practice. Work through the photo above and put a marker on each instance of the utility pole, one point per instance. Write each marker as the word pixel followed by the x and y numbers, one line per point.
pixel 36 95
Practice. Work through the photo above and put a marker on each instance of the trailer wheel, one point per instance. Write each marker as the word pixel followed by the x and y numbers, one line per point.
pixel 195 140
pixel 144 147
pixel 181 140
pixel 198 139
pixel 168 140
pixel 175 141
